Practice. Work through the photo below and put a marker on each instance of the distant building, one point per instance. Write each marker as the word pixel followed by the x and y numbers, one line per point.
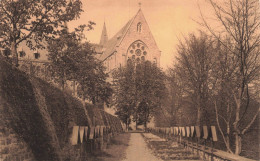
pixel 133 42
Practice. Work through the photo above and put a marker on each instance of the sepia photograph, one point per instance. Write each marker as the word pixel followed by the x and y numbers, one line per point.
pixel 129 80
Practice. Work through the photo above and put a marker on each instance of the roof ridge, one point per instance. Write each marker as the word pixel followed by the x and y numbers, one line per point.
pixel 113 42
pixel 122 31
pixel 129 25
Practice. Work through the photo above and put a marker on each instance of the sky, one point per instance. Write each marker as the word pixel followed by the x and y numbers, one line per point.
pixel 169 20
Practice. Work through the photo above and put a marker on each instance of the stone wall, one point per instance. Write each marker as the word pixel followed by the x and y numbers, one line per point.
pixel 12 147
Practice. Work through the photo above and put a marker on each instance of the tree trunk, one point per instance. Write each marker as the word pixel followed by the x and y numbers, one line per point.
pixel 14 53
pixel 228 144
pixel 238 144
pixel 83 96
pixel 136 121
pixel 228 129
pixel 128 123
pixel 62 85
pixel 145 125
pixel 237 119
pixel 198 116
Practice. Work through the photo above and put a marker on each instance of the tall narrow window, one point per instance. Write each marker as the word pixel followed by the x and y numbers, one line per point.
pixel 139 27
pixel 37 55
pixel 155 61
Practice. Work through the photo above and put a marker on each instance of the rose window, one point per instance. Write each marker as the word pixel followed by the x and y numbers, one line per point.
pixel 137 51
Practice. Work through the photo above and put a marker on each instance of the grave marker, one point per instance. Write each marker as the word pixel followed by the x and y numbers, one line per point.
pixel 86 132
pixel 171 130
pixel 192 131
pixel 92 131
pixel 188 131
pixel 97 131
pixel 167 130
pixel 74 135
pixel 214 133
pixel 205 132
pixel 81 133
pixel 197 129
pixel 183 131
pixel 101 130
pixel 177 131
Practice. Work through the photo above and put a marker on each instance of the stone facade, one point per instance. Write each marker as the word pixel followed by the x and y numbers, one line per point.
pixel 133 42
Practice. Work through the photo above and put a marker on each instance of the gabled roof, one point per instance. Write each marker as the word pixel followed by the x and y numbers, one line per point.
pixel 111 44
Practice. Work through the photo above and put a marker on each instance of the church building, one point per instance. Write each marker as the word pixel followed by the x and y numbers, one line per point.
pixel 133 42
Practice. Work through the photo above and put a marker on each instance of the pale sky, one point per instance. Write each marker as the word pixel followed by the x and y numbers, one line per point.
pixel 168 20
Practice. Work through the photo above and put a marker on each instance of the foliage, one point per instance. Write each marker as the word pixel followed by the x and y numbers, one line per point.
pixel 124 92
pixel 61 51
pixel 72 60
pixel 34 21
pixel 91 77
pixel 139 91
pixel 193 70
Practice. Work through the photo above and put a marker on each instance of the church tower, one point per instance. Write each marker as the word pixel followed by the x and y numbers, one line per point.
pixel 133 42
pixel 104 36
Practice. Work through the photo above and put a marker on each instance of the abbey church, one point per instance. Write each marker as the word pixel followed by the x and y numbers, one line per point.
pixel 133 42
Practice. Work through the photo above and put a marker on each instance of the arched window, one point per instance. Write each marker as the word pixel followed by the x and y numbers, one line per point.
pixel 139 27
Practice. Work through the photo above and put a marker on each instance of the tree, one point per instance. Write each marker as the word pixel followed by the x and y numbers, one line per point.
pixel 60 53
pixel 72 60
pixel 194 68
pixel 124 97
pixel 34 21
pixel 176 96
pixel 91 78
pixel 151 89
pixel 140 89
pixel 239 22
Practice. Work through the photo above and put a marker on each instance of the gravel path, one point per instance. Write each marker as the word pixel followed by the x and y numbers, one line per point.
pixel 138 150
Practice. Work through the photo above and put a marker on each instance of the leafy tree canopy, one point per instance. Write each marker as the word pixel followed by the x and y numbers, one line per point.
pixel 139 90
pixel 75 61
pixel 34 21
